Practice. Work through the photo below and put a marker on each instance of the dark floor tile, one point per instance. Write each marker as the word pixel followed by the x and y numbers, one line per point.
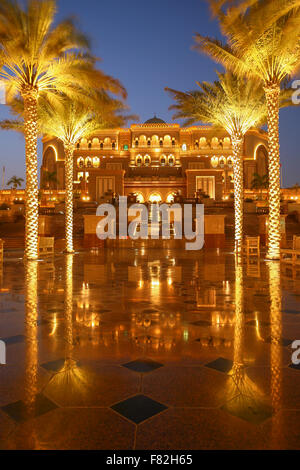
pixel 143 365
pixel 19 411
pixel 13 340
pixel 248 409
pixel 139 408
pixel 295 366
pixel 54 366
pixel 221 364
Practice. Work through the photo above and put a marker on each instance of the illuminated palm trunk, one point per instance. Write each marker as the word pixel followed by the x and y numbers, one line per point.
pixel 276 348
pixel 274 236
pixel 238 173
pixel 32 198
pixel 69 197
pixel 69 308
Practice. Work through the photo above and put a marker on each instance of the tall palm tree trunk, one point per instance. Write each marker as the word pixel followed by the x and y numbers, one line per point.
pixel 274 236
pixel 32 199
pixel 238 173
pixel 69 198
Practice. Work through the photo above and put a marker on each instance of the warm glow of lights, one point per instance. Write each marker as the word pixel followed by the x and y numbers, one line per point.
pixel 155 198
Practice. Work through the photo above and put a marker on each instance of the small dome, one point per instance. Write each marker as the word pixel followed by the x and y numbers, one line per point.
pixel 155 120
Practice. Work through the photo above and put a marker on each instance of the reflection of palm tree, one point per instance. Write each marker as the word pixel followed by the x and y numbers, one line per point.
pixel 70 381
pixel 260 182
pixel 276 349
pixel 236 105
pixel 69 309
pixel 243 394
pixel 31 317
pixel 263 43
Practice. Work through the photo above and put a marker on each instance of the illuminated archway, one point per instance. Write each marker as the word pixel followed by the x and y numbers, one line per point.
pixel 139 197
pixel 155 198
pixel 170 198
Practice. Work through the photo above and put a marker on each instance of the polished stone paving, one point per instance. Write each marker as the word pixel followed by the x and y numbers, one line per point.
pixel 149 349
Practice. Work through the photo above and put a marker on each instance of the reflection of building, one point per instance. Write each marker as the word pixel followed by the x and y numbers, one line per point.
pixel 156 159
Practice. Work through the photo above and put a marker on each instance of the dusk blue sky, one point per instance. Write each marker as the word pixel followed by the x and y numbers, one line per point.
pixel 148 46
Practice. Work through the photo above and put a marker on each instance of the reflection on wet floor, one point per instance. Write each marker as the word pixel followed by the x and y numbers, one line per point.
pixel 154 349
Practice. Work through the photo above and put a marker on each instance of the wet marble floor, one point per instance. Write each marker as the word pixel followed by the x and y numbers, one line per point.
pixel 149 349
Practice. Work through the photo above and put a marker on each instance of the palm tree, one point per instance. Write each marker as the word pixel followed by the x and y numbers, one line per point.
pixel 260 182
pixel 38 60
pixel 15 182
pixel 263 43
pixel 234 104
pixel 50 180
pixel 70 121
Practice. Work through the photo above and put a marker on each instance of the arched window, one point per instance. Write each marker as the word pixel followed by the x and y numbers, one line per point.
pixel 214 162
pixel 167 141
pixel 154 140
pixel 96 162
pixel 90 145
pixel 214 142
pixel 136 142
pixel 149 142
pixel 101 145
pixel 80 162
pixel 163 160
pixel 161 143
pixel 170 198
pixel 203 143
pixel 139 198
pixel 171 160
pixel 184 147
pixel 113 145
pixel 226 143
pixel 222 161
pixel 155 198
pixel 78 146
pixel 139 160
pixel 88 162
pixel 230 162
pixel 196 144
pixel 173 142
pixel 147 160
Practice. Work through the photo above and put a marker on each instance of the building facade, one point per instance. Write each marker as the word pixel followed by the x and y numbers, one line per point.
pixel 155 161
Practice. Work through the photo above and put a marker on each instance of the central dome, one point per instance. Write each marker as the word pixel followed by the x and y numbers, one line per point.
pixel 155 120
